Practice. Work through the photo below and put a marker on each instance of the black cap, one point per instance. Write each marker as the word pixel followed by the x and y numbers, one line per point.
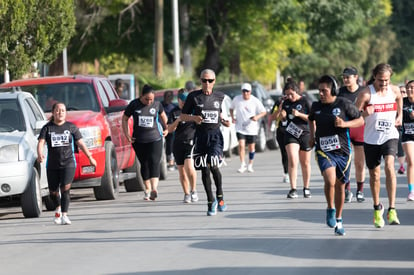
pixel 350 71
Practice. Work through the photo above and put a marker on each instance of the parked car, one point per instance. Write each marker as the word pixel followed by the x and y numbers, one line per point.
pixel 230 142
pixel 95 108
pixel 21 119
pixel 266 135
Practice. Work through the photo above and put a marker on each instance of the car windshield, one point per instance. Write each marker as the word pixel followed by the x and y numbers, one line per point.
pixel 11 117
pixel 76 96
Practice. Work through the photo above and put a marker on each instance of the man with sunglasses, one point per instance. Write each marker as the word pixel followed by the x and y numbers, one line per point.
pixel 204 108
pixel 245 111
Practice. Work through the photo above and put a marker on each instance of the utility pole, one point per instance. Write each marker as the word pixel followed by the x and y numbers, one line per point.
pixel 159 36
pixel 176 35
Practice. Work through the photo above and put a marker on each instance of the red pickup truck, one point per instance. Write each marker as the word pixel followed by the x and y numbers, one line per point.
pixel 95 108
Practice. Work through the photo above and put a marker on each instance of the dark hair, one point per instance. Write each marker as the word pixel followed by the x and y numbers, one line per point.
pixel 118 83
pixel 147 89
pixel 182 90
pixel 168 95
pixel 331 81
pixel 291 85
pixel 381 68
pixel 54 107
pixel 409 82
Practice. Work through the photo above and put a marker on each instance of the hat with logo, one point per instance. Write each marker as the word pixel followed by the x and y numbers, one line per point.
pixel 246 86
pixel 350 71
pixel 183 96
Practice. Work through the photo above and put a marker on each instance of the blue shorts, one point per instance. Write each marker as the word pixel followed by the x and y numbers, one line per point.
pixel 342 163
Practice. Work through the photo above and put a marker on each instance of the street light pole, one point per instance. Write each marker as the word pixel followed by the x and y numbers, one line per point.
pixel 176 38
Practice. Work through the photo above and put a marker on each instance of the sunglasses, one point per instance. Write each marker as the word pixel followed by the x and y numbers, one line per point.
pixel 245 91
pixel 204 80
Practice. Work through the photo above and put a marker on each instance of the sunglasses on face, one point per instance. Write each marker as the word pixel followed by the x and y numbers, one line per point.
pixel 204 80
pixel 245 91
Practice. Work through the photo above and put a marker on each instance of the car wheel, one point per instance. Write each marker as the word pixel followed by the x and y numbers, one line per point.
pixel 272 143
pixel 163 165
pixel 134 184
pixel 261 139
pixel 31 199
pixel 109 188
pixel 50 205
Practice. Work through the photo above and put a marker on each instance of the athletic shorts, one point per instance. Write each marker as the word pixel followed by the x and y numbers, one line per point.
pixel 208 150
pixel 182 150
pixel 59 177
pixel 373 153
pixel 303 141
pixel 342 164
pixel 357 135
pixel 250 139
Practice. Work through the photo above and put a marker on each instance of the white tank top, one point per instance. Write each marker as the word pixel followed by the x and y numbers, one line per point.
pixel 380 126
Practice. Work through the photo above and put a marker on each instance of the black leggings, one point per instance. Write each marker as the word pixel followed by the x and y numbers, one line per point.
pixel 149 155
pixel 280 136
pixel 205 176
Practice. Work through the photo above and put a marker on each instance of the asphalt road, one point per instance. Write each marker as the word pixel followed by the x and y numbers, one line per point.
pixel 261 233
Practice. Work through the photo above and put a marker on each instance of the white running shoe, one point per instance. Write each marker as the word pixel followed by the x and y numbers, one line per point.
pixel 242 168
pixel 194 196
pixel 58 218
pixel 250 168
pixel 187 198
pixel 286 178
pixel 65 220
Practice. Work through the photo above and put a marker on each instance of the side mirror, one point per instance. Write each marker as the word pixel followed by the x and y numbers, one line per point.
pixel 116 105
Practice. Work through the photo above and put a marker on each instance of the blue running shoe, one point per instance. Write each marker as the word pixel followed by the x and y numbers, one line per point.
pixel 339 229
pixel 213 210
pixel 222 206
pixel 330 217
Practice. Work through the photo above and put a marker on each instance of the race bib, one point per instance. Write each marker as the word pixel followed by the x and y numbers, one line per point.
pixel 329 143
pixel 210 116
pixel 146 121
pixel 60 140
pixel 383 125
pixel 409 128
pixel 294 130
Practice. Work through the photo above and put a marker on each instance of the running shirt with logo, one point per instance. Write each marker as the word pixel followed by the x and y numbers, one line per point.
pixel 352 96
pixel 185 129
pixel 295 125
pixel 380 126
pixel 206 106
pixel 147 127
pixel 408 122
pixel 329 138
pixel 244 110
pixel 60 141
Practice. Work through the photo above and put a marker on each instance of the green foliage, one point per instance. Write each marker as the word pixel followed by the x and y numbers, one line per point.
pixel 33 30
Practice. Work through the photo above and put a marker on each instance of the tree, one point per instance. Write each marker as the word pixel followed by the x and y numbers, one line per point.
pixel 33 30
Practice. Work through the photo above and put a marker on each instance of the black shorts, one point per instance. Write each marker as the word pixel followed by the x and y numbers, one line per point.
pixel 373 152
pixel 182 151
pixel 59 177
pixel 303 141
pixel 208 150
pixel 250 139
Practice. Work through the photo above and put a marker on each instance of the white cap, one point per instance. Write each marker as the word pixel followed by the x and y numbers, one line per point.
pixel 246 86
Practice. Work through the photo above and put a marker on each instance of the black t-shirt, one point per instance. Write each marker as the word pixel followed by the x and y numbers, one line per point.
pixel 408 122
pixel 147 127
pixel 328 137
pixel 302 105
pixel 207 106
pixel 60 144
pixel 185 129
pixel 344 92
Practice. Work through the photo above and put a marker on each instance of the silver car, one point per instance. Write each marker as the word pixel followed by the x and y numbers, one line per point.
pixel 21 119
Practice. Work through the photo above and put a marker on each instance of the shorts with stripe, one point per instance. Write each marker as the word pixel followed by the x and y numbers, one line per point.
pixel 342 164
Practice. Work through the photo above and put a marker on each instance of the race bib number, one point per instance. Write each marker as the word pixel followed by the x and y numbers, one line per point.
pixel 60 140
pixel 146 121
pixel 383 125
pixel 294 130
pixel 409 128
pixel 329 143
pixel 210 116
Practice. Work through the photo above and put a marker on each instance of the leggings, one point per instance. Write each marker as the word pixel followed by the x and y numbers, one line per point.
pixel 149 155
pixel 280 135
pixel 205 176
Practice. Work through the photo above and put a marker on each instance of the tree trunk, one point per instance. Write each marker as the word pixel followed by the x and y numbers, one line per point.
pixel 185 33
